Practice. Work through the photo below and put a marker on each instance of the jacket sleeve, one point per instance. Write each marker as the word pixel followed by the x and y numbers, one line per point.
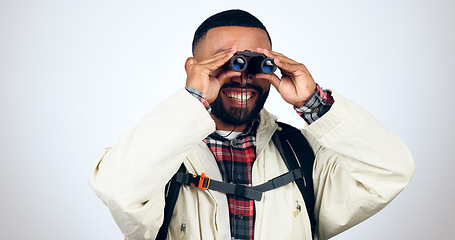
pixel 360 166
pixel 130 177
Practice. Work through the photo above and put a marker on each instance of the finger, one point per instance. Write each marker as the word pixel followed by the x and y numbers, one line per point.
pixel 272 78
pixel 281 60
pixel 222 55
pixel 212 65
pixel 218 61
pixel 225 75
pixel 214 59
pixel 276 56
pixel 287 66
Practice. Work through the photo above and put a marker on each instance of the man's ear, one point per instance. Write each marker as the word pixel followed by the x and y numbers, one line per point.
pixel 188 62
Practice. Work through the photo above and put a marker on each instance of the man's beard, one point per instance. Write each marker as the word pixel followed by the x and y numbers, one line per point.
pixel 238 115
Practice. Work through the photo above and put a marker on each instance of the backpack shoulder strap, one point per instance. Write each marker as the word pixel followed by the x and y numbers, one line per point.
pixel 297 153
pixel 172 193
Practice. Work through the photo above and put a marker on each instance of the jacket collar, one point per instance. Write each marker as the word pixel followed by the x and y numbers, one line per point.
pixel 202 160
pixel 266 128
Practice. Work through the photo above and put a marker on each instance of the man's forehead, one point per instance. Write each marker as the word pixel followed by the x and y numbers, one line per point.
pixel 236 30
pixel 222 38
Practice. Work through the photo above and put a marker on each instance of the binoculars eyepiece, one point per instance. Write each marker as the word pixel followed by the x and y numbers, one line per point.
pixel 257 63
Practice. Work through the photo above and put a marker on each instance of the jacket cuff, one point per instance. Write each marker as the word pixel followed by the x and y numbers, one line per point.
pixel 331 119
pixel 319 104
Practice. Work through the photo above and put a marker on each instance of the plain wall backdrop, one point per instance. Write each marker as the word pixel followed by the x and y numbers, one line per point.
pixel 74 74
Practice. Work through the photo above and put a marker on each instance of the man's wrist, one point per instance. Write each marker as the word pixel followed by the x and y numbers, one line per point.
pixel 200 96
pixel 319 103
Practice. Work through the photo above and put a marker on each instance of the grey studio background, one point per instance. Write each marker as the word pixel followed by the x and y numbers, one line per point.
pixel 74 74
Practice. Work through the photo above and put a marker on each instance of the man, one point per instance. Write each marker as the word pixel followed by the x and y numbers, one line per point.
pixel 217 126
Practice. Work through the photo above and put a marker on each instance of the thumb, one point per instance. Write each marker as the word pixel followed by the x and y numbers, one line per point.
pixel 223 76
pixel 271 78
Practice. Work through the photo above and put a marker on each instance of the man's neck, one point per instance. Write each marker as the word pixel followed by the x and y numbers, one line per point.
pixel 228 127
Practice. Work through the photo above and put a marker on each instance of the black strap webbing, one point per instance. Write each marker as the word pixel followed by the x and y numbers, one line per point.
pixel 172 193
pixel 297 153
pixel 254 193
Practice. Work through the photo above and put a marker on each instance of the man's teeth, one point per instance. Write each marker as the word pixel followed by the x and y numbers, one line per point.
pixel 240 97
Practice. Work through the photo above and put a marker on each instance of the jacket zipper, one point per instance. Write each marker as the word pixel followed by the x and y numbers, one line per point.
pixel 298 209
pixel 183 226
pixel 297 212
pixel 183 231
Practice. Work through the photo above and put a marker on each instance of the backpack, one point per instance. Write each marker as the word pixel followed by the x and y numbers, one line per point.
pixel 295 152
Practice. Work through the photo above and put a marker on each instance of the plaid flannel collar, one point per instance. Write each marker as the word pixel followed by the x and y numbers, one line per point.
pixel 235 159
pixel 249 131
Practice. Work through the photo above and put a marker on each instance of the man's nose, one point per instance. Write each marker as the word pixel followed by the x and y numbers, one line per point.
pixel 244 78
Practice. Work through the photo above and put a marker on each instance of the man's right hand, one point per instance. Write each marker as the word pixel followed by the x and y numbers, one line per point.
pixel 207 75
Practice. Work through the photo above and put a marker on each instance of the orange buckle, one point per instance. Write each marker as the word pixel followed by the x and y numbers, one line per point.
pixel 201 181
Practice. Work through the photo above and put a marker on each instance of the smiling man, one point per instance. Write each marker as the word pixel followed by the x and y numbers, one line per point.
pixel 216 128
pixel 235 103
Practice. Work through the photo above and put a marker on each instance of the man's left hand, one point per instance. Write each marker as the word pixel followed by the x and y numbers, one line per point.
pixel 296 85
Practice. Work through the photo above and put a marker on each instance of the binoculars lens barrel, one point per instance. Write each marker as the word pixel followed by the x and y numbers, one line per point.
pixel 238 63
pixel 257 63
pixel 268 66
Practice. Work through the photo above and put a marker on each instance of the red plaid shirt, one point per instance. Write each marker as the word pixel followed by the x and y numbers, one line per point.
pixel 235 159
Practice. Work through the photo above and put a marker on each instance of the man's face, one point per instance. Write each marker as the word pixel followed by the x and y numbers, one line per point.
pixel 240 98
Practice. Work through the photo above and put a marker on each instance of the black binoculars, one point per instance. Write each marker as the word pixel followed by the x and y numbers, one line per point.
pixel 256 63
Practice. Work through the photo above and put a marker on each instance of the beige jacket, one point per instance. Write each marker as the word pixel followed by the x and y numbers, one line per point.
pixel 360 167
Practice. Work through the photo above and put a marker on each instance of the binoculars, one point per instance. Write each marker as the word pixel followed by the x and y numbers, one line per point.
pixel 256 63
